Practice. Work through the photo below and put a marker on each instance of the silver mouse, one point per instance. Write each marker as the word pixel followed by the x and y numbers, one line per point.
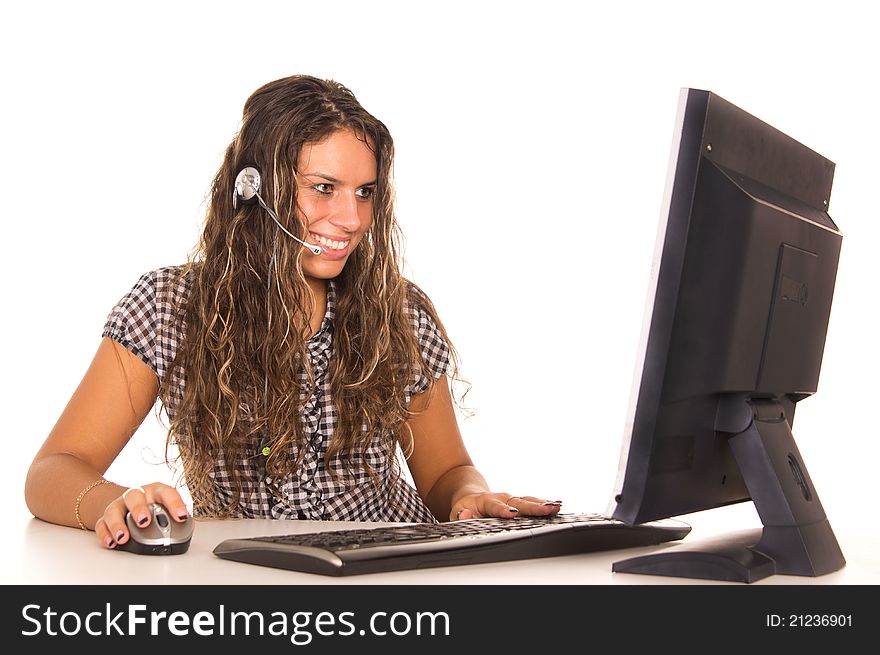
pixel 162 536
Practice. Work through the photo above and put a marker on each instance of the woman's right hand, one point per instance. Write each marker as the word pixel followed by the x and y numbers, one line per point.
pixel 111 527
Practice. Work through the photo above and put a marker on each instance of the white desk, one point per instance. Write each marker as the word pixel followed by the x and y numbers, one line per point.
pixel 41 553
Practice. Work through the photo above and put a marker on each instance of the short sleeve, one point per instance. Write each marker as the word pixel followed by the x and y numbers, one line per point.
pixel 435 352
pixel 133 321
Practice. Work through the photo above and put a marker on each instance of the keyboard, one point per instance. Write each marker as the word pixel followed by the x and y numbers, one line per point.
pixel 423 545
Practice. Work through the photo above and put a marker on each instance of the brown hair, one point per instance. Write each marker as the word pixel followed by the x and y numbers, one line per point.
pixel 244 354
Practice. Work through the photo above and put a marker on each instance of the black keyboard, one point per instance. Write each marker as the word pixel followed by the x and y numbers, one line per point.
pixel 423 545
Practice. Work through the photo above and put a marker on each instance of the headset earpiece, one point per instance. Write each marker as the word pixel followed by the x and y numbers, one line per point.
pixel 247 189
pixel 247 186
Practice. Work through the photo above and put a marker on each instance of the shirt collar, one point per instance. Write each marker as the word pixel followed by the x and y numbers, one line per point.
pixel 319 345
pixel 330 312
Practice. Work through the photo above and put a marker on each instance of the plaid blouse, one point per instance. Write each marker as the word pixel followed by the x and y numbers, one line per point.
pixel 148 322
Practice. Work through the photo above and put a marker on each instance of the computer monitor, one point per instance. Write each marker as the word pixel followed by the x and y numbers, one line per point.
pixel 733 339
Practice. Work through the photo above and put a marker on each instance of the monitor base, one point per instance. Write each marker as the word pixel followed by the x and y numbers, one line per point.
pixel 738 557
pixel 730 558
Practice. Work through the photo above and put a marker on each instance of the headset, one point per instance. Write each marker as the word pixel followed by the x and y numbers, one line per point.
pixel 247 189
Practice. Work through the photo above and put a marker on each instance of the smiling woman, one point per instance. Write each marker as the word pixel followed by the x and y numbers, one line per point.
pixel 336 183
pixel 290 375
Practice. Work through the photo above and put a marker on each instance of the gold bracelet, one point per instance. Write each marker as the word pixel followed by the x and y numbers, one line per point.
pixel 82 495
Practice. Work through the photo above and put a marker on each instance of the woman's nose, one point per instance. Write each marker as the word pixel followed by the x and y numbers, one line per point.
pixel 346 212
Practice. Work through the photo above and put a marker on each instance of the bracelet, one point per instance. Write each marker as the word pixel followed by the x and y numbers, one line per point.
pixel 82 495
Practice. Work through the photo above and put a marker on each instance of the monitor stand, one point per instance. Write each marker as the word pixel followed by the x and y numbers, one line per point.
pixel 796 538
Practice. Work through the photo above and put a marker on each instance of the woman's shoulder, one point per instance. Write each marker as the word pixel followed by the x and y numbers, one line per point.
pixel 147 320
pixel 175 274
pixel 165 284
pixel 417 304
pixel 159 295
pixel 426 321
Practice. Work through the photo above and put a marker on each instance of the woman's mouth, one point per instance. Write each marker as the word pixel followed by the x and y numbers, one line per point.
pixel 332 248
pixel 330 244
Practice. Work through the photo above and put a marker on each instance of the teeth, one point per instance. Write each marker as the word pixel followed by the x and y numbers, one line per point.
pixel 329 243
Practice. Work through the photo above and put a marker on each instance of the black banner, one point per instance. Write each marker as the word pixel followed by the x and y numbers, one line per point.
pixel 328 618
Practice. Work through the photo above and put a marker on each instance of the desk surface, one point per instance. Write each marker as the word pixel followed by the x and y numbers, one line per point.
pixel 41 553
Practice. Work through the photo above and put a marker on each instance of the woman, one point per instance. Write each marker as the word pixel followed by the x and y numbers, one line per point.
pixel 290 379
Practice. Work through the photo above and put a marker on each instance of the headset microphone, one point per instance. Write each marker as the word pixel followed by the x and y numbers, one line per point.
pixel 247 187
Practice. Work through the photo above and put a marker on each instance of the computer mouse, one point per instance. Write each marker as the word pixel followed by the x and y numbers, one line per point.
pixel 162 536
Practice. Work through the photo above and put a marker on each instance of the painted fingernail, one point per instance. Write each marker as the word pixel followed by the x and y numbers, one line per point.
pixel 109 542
pixel 512 509
pixel 120 535
pixel 142 519
pixel 553 503
pixel 181 514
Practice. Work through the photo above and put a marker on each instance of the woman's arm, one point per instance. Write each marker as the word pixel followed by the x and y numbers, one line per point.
pixel 442 469
pixel 108 406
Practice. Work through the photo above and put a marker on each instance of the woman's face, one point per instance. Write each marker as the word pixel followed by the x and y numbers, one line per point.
pixel 336 181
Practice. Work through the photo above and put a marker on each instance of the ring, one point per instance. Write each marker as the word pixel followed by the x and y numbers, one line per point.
pixel 141 489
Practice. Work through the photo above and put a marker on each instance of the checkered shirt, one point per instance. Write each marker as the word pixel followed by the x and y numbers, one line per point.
pixel 148 321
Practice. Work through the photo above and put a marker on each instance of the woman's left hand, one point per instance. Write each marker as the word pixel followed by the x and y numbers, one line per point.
pixel 502 505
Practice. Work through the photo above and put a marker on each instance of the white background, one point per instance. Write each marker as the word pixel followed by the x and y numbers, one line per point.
pixel 516 123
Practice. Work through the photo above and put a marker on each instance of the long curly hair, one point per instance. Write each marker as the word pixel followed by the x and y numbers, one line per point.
pixel 244 352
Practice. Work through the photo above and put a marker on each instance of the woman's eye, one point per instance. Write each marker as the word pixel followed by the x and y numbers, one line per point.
pixel 325 189
pixel 366 192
